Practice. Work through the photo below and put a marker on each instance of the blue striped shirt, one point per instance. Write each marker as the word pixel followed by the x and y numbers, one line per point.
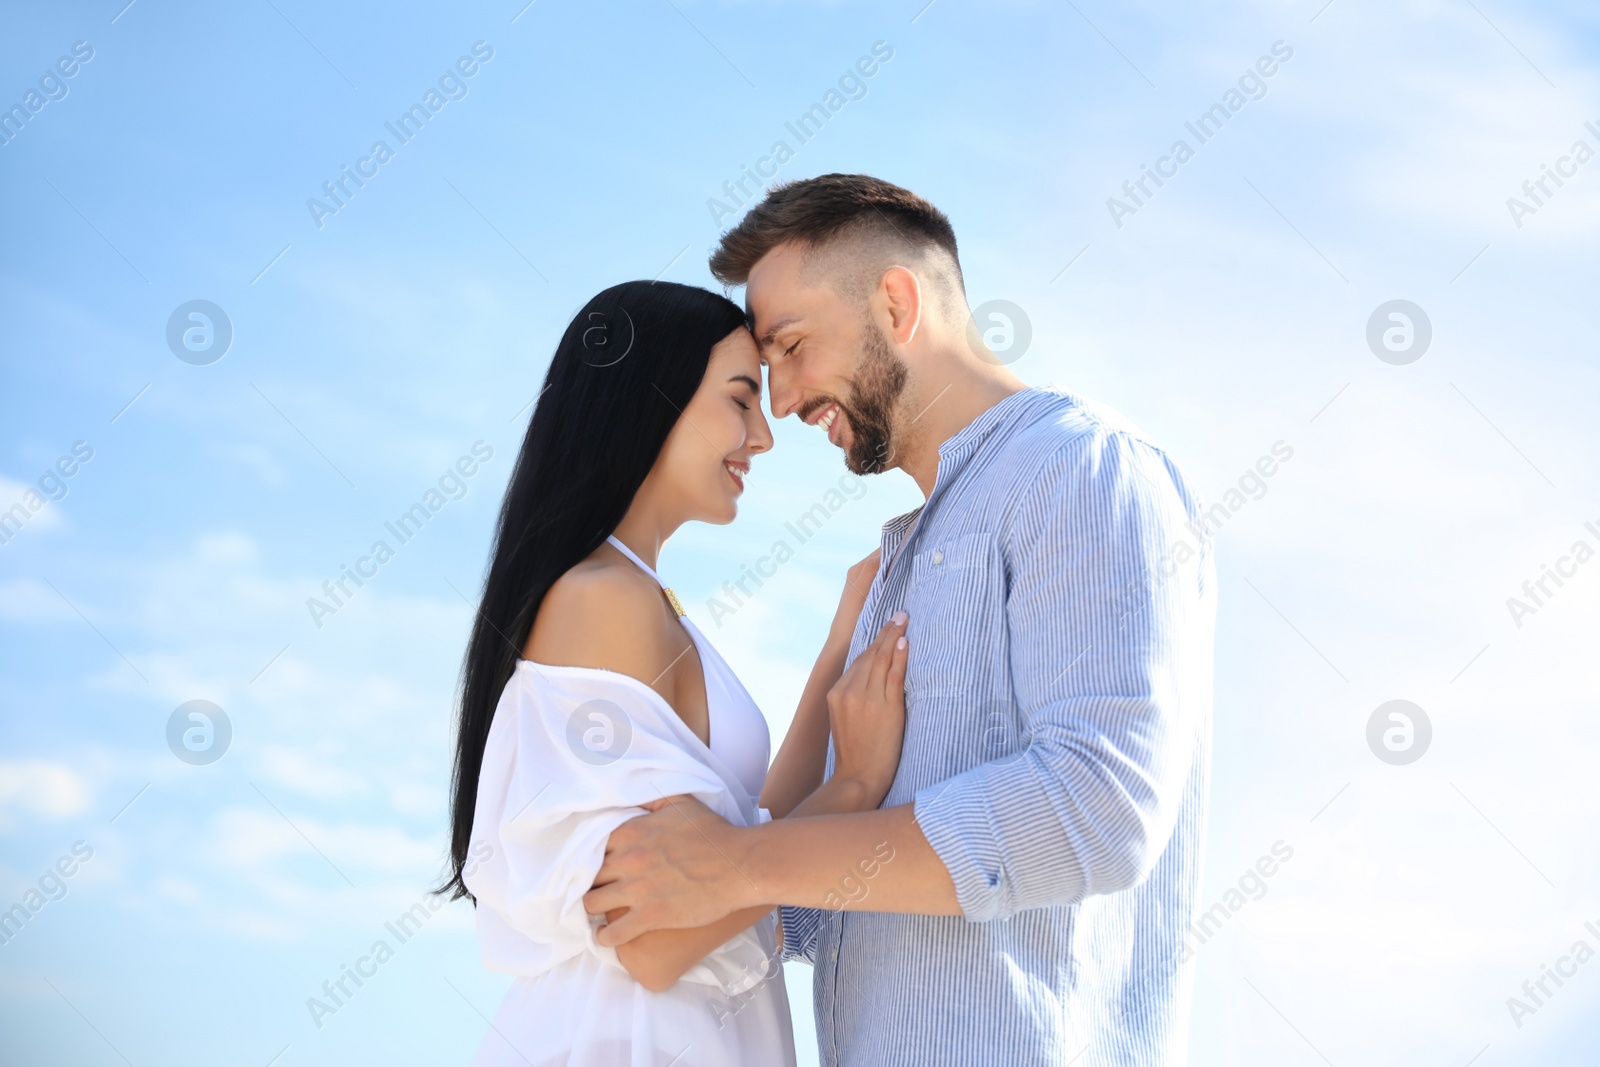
pixel 1061 591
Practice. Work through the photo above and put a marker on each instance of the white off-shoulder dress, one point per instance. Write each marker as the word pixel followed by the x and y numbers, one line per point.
pixel 572 754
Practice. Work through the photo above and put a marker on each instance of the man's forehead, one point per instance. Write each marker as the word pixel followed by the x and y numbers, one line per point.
pixel 770 310
pixel 776 294
pixel 766 333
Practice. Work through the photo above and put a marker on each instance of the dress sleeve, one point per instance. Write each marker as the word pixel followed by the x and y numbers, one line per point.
pixel 568 761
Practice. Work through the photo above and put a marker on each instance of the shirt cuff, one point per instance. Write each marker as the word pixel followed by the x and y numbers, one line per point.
pixel 957 823
pixel 800 932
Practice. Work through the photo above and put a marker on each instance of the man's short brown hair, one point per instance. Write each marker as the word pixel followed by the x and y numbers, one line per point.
pixel 814 211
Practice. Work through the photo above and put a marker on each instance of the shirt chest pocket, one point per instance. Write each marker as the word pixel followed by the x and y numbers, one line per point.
pixel 955 599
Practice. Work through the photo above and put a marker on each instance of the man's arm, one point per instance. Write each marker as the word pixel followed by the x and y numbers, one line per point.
pixel 658 958
pixel 1110 663
pixel 684 866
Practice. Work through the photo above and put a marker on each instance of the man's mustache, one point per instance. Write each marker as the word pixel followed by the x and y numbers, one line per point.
pixel 811 407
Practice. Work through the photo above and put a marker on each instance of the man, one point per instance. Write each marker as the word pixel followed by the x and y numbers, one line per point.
pixel 1045 823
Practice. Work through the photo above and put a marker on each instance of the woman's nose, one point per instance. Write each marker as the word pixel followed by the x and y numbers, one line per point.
pixel 760 436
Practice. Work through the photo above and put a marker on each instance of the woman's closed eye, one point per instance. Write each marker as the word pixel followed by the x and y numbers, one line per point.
pixel 747 385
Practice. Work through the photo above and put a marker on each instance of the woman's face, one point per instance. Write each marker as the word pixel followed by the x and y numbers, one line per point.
pixel 706 458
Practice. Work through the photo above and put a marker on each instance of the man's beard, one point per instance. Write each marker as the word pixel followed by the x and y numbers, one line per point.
pixel 875 390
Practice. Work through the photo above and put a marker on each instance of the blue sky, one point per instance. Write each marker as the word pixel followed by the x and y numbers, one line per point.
pixel 1226 313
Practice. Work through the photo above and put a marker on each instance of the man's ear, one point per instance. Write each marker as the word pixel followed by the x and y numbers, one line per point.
pixel 901 292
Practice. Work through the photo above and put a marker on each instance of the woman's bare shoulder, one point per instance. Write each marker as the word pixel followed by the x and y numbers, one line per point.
pixel 605 614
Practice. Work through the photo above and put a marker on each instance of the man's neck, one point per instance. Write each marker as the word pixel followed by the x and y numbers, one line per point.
pixel 951 398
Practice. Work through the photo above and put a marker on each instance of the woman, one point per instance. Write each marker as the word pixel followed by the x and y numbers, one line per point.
pixel 587 695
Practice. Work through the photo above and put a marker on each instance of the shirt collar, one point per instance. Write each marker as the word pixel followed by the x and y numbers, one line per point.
pixel 962 445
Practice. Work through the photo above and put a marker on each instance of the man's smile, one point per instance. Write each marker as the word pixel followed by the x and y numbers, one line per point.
pixel 826 418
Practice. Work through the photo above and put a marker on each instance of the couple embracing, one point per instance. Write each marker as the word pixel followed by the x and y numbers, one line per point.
pixel 983 827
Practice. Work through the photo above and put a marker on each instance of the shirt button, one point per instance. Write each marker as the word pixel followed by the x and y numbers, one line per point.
pixel 938 557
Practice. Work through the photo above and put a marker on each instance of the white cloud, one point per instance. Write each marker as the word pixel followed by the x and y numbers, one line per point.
pixel 41 788
pixel 12 492
pixel 313 775
pixel 260 840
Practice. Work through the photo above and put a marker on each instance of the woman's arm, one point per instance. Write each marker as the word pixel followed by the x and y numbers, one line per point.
pixel 796 772
pixel 658 959
pixel 866 709
pixel 797 769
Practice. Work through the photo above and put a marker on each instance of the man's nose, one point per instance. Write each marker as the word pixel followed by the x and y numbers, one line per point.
pixel 782 394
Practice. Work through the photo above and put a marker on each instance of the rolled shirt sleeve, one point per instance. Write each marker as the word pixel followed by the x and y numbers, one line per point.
pixel 1105 630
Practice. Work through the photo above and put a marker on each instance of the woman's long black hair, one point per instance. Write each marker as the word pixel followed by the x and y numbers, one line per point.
pixel 624 370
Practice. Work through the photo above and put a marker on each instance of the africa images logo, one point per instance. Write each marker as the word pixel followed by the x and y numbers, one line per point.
pixel 1399 732
pixel 199 732
pixel 1399 332
pixel 199 332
